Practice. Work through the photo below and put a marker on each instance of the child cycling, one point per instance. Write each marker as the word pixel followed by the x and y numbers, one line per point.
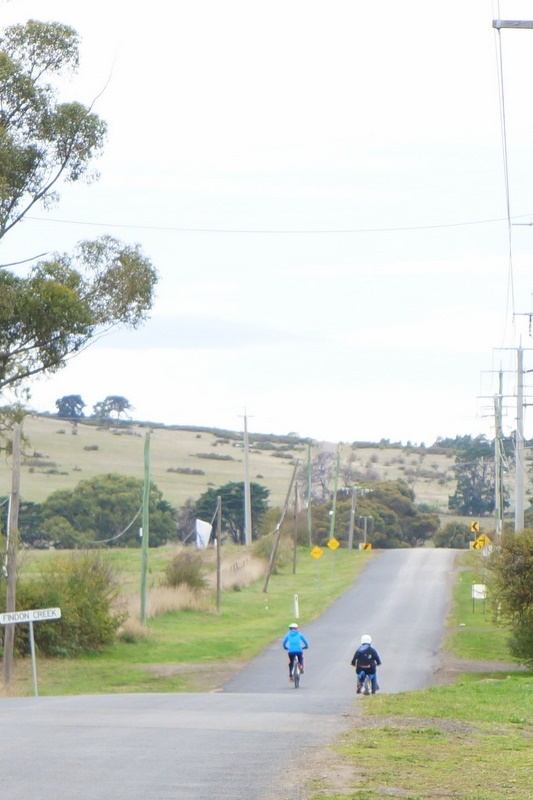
pixel 295 643
pixel 366 660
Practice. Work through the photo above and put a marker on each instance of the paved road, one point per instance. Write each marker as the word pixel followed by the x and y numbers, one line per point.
pixel 235 743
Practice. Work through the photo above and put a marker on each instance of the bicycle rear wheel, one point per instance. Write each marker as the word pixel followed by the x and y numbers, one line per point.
pixel 296 673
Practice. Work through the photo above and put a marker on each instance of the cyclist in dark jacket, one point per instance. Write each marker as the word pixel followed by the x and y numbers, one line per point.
pixel 365 660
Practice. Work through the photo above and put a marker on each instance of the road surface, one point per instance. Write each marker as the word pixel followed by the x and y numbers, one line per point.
pixel 236 743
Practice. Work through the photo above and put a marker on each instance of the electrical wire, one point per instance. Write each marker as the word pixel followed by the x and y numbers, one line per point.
pixel 276 231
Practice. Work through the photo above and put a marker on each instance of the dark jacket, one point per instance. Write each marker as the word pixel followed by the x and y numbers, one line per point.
pixel 366 657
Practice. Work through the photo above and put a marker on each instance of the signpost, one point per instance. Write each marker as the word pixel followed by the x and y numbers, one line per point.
pixel 479 592
pixel 34 615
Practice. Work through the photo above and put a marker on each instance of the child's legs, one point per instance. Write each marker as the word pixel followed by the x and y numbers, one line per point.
pixel 292 656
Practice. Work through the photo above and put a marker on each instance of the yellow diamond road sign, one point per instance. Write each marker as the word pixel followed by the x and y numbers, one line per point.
pixel 333 544
pixel 482 540
pixel 317 552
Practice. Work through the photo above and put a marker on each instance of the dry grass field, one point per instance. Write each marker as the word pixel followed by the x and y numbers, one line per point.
pixel 185 463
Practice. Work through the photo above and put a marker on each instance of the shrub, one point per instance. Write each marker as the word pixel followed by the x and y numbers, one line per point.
pixel 85 588
pixel 186 568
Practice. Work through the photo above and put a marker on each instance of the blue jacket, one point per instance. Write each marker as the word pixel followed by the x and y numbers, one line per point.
pixel 295 642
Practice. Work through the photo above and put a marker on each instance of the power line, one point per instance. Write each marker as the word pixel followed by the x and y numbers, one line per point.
pixel 256 231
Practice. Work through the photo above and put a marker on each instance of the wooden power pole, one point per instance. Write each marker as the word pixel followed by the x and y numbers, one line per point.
pixel 12 548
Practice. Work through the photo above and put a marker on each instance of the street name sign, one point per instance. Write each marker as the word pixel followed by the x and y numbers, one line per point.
pixel 34 615
pixel 31 616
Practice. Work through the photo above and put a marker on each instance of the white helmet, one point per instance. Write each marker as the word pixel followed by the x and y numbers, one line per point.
pixel 293 625
pixel 366 639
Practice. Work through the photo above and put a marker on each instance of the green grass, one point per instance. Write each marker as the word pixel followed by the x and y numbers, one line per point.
pixel 249 619
pixel 470 740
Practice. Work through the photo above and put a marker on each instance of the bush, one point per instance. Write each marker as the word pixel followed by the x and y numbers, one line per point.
pixel 511 583
pixel 186 569
pixel 84 587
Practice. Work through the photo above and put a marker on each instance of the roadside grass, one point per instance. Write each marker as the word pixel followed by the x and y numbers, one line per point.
pixel 187 650
pixel 471 739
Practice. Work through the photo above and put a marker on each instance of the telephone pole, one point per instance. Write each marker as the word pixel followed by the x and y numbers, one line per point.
pixel 247 492
pixel 519 444
pixel 498 477
pixel 11 563
pixel 334 507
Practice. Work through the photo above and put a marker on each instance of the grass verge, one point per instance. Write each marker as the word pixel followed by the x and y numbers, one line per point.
pixel 471 739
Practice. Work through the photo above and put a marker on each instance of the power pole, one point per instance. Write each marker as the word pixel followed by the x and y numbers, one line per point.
pixel 247 492
pixel 219 536
pixel 519 448
pixel 145 526
pixel 272 559
pixel 12 547
pixel 519 444
pixel 519 439
pixel 352 519
pixel 365 525
pixel 309 494
pixel 334 507
pixel 498 479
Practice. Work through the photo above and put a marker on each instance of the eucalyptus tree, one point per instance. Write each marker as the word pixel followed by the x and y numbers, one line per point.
pixel 64 300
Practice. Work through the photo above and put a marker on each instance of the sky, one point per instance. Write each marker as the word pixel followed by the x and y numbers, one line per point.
pixel 321 188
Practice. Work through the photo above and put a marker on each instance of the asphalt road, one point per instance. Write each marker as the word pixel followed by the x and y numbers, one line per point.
pixel 242 741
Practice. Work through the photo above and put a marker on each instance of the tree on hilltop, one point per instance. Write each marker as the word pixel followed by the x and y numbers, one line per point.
pixel 70 407
pixel 112 405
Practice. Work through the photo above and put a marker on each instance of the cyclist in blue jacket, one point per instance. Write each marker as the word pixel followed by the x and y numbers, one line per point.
pixel 295 643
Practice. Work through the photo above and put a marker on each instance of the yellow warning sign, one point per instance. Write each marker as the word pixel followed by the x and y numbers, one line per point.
pixel 474 527
pixel 317 552
pixel 365 546
pixel 481 542
pixel 333 544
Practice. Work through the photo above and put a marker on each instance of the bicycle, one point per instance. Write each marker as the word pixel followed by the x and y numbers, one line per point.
pixel 296 672
pixel 367 685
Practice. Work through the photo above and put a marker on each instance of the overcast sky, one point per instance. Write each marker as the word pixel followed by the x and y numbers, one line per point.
pixel 320 186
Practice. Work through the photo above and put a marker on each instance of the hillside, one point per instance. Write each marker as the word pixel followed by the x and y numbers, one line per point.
pixel 185 462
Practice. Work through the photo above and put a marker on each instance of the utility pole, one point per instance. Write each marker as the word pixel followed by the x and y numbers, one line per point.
pixel 519 449
pixel 145 526
pixel 309 495
pixel 272 559
pixel 519 444
pixel 519 439
pixel 352 519
pixel 498 478
pixel 219 536
pixel 11 564
pixel 295 519
pixel 365 524
pixel 247 493
pixel 334 507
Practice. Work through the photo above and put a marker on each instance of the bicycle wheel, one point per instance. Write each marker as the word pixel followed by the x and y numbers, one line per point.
pixel 296 673
pixel 367 685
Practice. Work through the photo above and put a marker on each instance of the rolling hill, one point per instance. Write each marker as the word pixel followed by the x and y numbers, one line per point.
pixel 185 462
